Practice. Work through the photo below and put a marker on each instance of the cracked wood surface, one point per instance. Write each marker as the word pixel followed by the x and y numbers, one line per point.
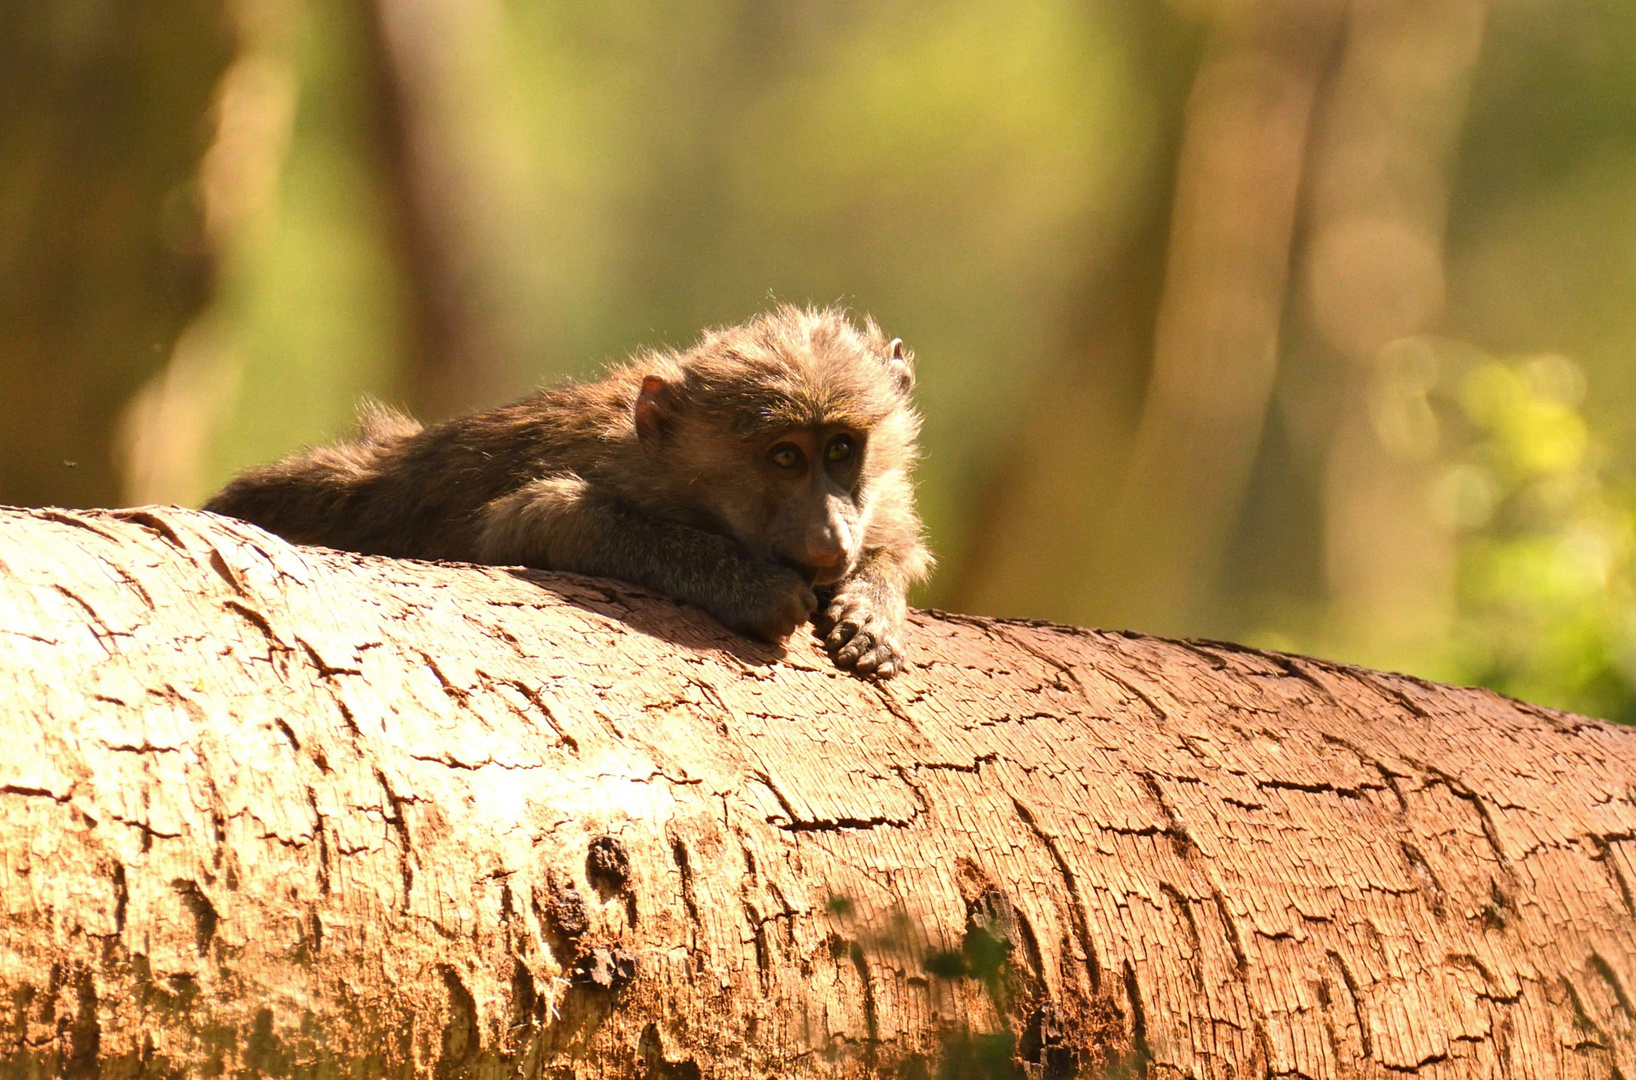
pixel 288 811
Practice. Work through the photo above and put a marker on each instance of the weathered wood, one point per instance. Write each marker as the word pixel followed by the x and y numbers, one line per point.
pixel 267 809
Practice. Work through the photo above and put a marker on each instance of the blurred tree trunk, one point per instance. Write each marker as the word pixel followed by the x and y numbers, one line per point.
pixel 408 65
pixel 103 120
pixel 424 64
pixel 165 431
pixel 1149 549
pixel 288 811
pixel 1374 265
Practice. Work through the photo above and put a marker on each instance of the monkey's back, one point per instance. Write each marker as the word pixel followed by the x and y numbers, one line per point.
pixel 401 490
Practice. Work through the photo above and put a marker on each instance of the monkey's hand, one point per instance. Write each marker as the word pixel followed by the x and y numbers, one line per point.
pixel 865 631
pixel 764 600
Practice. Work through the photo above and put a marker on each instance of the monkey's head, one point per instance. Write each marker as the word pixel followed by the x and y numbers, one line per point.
pixel 784 431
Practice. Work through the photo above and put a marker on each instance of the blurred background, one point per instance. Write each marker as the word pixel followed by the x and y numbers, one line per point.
pixel 1306 323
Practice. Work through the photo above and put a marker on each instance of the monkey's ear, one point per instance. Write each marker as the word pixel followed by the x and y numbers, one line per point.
pixel 652 409
pixel 899 361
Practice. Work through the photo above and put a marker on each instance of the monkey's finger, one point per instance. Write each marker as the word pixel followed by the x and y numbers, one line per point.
pixel 842 634
pixel 857 647
pixel 888 669
pixel 845 615
pixel 873 659
pixel 861 635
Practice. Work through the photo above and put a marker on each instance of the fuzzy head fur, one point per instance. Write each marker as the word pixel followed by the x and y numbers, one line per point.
pixel 719 417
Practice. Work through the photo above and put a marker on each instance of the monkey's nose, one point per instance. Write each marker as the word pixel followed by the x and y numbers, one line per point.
pixel 825 544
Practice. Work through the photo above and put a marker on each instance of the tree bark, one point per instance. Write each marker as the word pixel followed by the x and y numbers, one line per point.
pixel 289 811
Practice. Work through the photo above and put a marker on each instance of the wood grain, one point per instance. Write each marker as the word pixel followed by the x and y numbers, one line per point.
pixel 289 811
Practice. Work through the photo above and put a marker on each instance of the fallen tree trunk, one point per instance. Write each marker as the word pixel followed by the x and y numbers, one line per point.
pixel 290 811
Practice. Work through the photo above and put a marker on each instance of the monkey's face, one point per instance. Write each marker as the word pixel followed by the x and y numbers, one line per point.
pixel 811 479
pixel 778 432
pixel 795 497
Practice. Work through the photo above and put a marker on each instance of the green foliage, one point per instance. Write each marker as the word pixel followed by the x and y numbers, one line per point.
pixel 1547 577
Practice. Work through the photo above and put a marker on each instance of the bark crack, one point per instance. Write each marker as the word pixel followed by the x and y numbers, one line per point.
pixel 1173 828
pixel 1350 981
pixel 1190 924
pixel 99 628
pixel 226 572
pixel 536 699
pixel 27 792
pixel 323 667
pixel 256 619
pixel 799 824
pixel 1064 671
pixel 871 1017
pixel 1459 790
pixel 1388 778
pixel 154 522
pixel 400 825
pixel 1599 964
pixel 1604 855
pixel 63 517
pixel 1077 913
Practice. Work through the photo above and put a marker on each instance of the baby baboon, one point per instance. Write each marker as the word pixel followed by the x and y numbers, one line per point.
pixel 766 463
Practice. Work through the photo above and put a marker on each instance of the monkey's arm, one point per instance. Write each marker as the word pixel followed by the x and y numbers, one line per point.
pixel 562 523
pixel 870 605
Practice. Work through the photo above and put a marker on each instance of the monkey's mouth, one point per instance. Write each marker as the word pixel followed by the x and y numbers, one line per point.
pixel 829 575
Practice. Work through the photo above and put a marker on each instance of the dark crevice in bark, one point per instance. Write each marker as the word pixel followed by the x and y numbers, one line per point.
pixel 1173 828
pixel 1184 910
pixel 122 897
pixel 205 916
pixel 226 572
pixel 400 825
pixel 1491 832
pixel 460 1032
pixel 1235 941
pixel 260 622
pixel 1436 896
pixel 1350 981
pixel 538 702
pixel 155 523
pixel 1141 1055
pixel 871 1017
pixel 78 521
pixel 1599 964
pixel 33 792
pixel 1077 913
pixel 324 668
pixel 1605 855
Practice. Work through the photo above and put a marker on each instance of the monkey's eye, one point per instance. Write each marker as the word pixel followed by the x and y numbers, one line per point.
pixel 839 449
pixel 786 456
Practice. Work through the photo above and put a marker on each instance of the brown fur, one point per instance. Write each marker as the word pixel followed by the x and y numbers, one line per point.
pixel 664 473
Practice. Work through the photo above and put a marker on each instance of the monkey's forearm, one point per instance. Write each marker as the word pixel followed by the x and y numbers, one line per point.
pixel 867 615
pixel 869 608
pixel 558 523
